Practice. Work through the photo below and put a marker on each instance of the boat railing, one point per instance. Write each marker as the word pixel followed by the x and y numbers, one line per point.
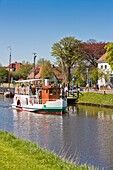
pixel 25 90
pixel 36 100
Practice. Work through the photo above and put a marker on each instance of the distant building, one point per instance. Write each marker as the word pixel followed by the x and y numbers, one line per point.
pixel 105 67
pixel 57 75
pixel 14 66
pixel 37 73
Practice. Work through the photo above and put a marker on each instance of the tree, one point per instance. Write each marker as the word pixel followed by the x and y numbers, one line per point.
pixel 46 70
pixel 95 74
pixel 41 62
pixel 93 51
pixel 24 70
pixel 67 52
pixel 15 75
pixel 109 54
pixel 80 74
pixel 3 74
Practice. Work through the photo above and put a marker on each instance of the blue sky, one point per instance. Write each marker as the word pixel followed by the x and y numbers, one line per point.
pixel 30 26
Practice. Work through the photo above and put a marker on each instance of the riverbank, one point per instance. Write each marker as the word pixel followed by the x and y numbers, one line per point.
pixel 19 154
pixel 96 99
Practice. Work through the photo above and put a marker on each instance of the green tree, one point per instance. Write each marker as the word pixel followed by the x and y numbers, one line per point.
pixel 24 70
pixel 95 74
pixel 109 54
pixel 15 75
pixel 41 62
pixel 80 74
pixel 47 70
pixel 3 74
pixel 68 51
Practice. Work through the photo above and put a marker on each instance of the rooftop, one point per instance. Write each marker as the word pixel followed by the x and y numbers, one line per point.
pixel 102 58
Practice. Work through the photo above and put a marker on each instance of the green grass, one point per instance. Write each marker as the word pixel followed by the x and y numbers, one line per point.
pixel 17 154
pixel 96 98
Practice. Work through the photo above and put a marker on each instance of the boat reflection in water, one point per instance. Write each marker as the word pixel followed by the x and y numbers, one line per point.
pixel 45 130
pixel 72 109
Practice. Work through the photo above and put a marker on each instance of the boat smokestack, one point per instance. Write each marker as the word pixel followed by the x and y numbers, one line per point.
pixel 46 82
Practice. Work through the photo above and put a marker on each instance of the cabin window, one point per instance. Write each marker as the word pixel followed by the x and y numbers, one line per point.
pixel 46 91
pixel 27 101
pixel 51 91
pixel 54 91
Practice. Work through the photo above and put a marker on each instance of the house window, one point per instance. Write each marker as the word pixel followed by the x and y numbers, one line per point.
pixel 101 66
pixel 105 66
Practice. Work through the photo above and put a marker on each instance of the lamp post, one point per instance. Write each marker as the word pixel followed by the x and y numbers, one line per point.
pixel 9 65
pixel 87 81
pixel 34 63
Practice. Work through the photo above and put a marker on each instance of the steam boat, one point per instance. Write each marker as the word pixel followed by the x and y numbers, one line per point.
pixel 35 95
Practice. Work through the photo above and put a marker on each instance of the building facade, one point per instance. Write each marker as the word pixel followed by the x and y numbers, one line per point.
pixel 106 69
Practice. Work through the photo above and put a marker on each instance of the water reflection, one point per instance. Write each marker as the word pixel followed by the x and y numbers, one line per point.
pixel 6 117
pixel 92 135
pixel 73 110
pixel 84 134
pixel 41 129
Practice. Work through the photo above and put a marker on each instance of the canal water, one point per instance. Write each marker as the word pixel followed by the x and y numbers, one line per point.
pixel 82 135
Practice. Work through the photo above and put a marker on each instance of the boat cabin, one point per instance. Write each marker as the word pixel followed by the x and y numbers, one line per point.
pixel 50 93
pixel 41 94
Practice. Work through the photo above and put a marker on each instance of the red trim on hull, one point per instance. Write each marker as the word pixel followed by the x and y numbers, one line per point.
pixel 39 112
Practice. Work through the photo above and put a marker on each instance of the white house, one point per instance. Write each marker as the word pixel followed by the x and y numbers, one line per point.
pixel 105 67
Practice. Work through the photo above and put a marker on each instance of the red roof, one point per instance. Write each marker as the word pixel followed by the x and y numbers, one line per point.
pixel 38 71
pixel 21 79
pixel 15 66
pixel 102 58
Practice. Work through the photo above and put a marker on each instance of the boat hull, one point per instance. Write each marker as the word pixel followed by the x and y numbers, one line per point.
pixel 50 107
pixel 41 111
pixel 33 109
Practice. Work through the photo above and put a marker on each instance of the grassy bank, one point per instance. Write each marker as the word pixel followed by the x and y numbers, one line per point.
pixel 96 98
pixel 23 155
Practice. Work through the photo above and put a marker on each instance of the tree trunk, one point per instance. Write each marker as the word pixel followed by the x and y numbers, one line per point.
pixel 64 71
pixel 68 74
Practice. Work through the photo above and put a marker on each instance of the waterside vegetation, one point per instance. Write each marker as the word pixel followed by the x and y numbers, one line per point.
pixel 19 154
pixel 99 99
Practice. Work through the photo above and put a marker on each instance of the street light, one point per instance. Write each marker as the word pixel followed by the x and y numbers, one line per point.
pixel 34 63
pixel 9 65
pixel 87 81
